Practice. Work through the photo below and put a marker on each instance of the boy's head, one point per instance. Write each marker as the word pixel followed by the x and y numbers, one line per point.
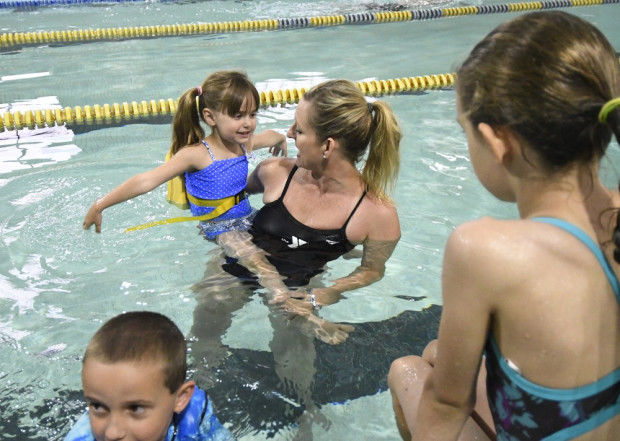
pixel 133 377
pixel 142 336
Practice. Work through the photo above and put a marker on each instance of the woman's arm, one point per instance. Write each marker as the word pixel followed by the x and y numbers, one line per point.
pixel 185 159
pixel 468 285
pixel 380 231
pixel 269 138
pixel 372 268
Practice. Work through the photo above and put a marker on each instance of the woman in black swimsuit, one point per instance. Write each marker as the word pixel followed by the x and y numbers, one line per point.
pixel 319 205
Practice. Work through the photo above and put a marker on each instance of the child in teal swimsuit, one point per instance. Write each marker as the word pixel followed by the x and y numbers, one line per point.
pixel 539 100
pixel 133 376
pixel 215 168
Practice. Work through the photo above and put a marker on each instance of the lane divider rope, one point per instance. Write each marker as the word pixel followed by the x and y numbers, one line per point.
pixel 11 39
pixel 25 4
pixel 123 112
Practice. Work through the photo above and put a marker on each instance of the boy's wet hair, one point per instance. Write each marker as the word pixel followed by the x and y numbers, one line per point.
pixel 142 336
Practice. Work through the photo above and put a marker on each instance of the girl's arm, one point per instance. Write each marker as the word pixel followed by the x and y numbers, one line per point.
pixel 187 158
pixel 272 139
pixel 469 280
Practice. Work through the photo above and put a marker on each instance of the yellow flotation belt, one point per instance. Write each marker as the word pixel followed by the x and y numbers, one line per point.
pixel 221 207
pixel 176 194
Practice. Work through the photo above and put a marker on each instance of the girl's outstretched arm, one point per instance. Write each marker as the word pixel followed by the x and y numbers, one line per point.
pixel 276 142
pixel 185 159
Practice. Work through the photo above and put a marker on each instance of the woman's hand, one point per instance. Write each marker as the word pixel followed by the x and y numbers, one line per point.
pixel 93 216
pixel 297 306
pixel 279 296
pixel 329 332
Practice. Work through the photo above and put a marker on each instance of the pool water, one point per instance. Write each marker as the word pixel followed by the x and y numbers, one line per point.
pixel 58 284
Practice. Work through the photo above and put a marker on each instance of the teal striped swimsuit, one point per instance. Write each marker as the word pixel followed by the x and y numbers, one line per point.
pixel 524 410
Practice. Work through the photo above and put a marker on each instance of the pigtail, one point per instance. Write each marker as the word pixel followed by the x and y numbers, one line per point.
pixel 186 128
pixel 381 168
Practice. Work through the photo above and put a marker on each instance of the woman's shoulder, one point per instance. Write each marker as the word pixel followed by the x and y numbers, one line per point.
pixel 381 207
pixel 380 216
pixel 275 168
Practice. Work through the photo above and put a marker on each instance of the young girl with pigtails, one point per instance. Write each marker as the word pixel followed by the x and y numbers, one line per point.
pixel 208 174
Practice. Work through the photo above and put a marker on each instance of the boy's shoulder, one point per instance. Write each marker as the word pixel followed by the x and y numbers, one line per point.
pixel 198 421
pixel 81 430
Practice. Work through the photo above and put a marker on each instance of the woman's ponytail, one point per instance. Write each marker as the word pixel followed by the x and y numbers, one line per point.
pixel 381 168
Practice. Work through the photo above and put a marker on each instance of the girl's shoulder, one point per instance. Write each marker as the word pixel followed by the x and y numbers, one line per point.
pixel 193 149
pixel 195 155
pixel 495 237
pixel 514 248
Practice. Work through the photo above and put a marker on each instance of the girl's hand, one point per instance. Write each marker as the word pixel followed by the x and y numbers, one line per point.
pixel 279 148
pixel 93 217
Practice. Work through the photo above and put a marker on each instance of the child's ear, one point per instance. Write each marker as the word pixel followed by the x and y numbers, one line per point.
pixel 207 116
pixel 501 140
pixel 183 395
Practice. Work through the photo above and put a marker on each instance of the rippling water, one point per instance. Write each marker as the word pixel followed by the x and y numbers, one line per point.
pixel 59 283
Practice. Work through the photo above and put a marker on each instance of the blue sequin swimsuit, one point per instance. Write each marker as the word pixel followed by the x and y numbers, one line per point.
pixel 525 410
pixel 220 179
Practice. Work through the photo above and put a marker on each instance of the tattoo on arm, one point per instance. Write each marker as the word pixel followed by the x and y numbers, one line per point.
pixel 372 268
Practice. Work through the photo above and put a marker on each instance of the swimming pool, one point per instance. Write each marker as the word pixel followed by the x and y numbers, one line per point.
pixel 58 283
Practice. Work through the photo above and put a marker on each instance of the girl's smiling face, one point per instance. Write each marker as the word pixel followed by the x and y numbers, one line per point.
pixel 238 128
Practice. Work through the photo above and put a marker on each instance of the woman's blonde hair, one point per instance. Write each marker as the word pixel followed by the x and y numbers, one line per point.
pixel 222 91
pixel 340 111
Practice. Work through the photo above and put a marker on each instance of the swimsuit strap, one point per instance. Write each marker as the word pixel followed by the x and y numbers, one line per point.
pixel 209 150
pixel 245 152
pixel 344 227
pixel 587 241
pixel 288 181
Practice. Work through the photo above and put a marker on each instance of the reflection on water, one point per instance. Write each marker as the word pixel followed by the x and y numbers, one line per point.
pixel 26 148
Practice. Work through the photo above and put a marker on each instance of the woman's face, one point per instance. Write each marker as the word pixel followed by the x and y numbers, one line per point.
pixel 309 147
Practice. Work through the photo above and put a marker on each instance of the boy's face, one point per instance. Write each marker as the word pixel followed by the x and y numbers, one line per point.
pixel 129 401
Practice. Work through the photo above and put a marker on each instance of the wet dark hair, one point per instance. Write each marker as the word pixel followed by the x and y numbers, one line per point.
pixel 142 336
pixel 546 75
